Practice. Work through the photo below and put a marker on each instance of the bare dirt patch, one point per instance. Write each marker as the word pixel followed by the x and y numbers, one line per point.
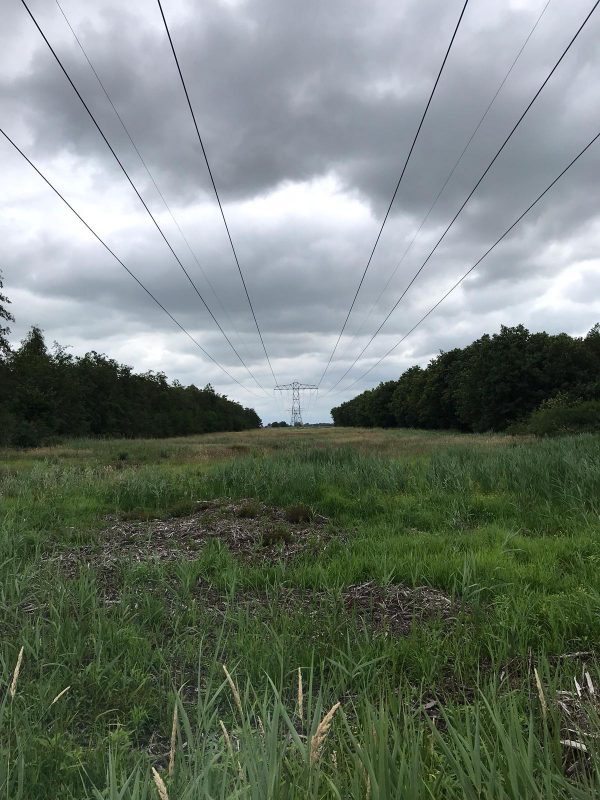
pixel 247 528
pixel 579 711
pixel 256 533
pixel 394 608
pixel 390 610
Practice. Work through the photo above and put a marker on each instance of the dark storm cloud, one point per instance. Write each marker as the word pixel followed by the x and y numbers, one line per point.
pixel 302 93
pixel 291 95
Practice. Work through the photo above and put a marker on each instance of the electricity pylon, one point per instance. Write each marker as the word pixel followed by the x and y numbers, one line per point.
pixel 295 388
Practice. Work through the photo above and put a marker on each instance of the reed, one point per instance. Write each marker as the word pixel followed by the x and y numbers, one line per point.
pixel 234 691
pixel 318 739
pixel 15 678
pixel 300 702
pixel 160 785
pixel 173 741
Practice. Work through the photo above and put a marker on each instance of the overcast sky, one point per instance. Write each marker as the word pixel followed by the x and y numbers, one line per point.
pixel 307 110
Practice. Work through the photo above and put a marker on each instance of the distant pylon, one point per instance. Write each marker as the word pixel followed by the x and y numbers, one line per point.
pixel 295 388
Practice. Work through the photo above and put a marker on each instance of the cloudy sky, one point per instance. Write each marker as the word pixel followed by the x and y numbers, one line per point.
pixel 307 110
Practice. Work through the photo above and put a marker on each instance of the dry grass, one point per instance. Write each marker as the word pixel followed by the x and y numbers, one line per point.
pixel 173 741
pixel 318 740
pixel 59 695
pixel 160 785
pixel 234 691
pixel 394 608
pixel 300 696
pixel 263 535
pixel 384 442
pixel 13 685
pixel 540 692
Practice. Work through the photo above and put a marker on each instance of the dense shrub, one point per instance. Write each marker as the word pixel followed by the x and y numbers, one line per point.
pixel 551 420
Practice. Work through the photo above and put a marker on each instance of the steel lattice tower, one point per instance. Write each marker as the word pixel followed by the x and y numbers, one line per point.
pixel 295 388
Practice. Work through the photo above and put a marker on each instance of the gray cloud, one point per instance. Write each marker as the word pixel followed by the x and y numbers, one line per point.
pixel 307 111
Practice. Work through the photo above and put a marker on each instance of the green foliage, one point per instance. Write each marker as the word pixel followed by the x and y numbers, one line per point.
pixel 7 421
pixel 49 395
pixel 508 530
pixel 489 385
pixel 560 418
pixel 4 330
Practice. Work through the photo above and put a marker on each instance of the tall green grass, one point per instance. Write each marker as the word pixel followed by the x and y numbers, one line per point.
pixel 488 743
pixel 510 531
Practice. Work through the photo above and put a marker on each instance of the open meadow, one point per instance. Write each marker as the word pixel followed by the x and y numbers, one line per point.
pixel 443 589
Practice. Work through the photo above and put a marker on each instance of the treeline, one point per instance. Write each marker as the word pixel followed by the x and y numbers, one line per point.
pixel 510 379
pixel 49 394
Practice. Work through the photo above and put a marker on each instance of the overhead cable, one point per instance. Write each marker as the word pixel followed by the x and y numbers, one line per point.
pixel 477 263
pixel 471 193
pixel 133 186
pixel 391 203
pixel 214 185
pixel 149 173
pixel 451 173
pixel 125 267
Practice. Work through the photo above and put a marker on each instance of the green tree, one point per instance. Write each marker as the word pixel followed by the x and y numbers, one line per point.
pixel 5 316
pixel 406 398
pixel 437 405
pixel 53 394
pixel 491 384
pixel 7 419
pixel 34 402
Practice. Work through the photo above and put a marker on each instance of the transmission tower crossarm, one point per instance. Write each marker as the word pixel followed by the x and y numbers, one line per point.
pixel 295 388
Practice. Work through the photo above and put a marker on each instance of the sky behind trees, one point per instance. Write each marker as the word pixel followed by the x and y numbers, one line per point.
pixel 307 110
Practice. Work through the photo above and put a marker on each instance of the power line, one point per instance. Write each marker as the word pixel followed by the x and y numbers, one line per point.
pixel 149 173
pixel 116 257
pixel 451 173
pixel 387 213
pixel 478 262
pixel 152 217
pixel 214 185
pixel 471 193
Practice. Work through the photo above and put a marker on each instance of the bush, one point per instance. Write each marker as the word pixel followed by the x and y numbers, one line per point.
pixel 554 419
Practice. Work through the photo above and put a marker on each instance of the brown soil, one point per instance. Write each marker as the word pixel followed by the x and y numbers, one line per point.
pixel 256 533
pixel 387 610
pixel 247 528
pixel 394 608
pixel 579 711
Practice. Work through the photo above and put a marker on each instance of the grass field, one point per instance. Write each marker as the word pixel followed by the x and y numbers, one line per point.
pixel 443 589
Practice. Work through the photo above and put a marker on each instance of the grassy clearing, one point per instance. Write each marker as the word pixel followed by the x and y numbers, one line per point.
pixel 506 531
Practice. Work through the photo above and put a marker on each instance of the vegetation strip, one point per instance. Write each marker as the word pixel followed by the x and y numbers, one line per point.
pixel 435 575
